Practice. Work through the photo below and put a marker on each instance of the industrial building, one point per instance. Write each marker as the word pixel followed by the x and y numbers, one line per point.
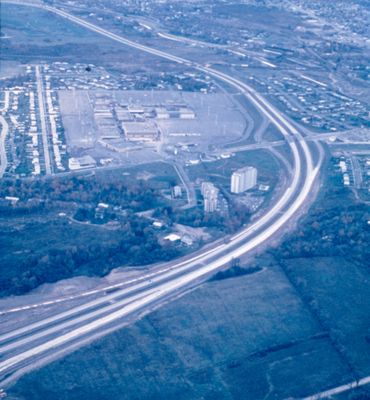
pixel 107 127
pixel 104 119
pixel 81 163
pixel 162 113
pixel 174 111
pixel 243 179
pixel 122 114
pixel 210 196
pixel 186 113
pixel 146 131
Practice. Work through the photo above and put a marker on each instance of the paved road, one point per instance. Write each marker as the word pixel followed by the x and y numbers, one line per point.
pixel 189 186
pixel 339 389
pixel 176 278
pixel 253 146
pixel 3 135
pixel 357 172
pixel 44 129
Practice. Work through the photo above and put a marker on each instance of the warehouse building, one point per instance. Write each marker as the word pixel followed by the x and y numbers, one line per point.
pixel 84 162
pixel 146 131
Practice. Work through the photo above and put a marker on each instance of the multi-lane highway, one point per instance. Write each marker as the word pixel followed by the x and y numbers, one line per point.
pixel 25 346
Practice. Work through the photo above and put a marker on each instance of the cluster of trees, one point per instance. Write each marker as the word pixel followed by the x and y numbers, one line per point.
pixel 54 257
pixel 235 272
pixel 137 245
pixel 237 216
pixel 90 215
pixel 337 225
pixel 136 196
pixel 340 231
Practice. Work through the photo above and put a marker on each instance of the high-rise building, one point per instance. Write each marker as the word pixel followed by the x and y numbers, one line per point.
pixel 176 191
pixel 243 179
pixel 210 195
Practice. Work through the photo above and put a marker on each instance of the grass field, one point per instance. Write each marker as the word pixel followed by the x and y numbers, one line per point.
pixel 325 281
pixel 34 35
pixel 38 27
pixel 220 171
pixel 241 338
